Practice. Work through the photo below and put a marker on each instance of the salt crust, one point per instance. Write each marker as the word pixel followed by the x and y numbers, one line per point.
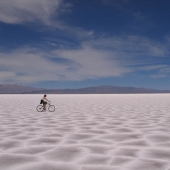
pixel 86 132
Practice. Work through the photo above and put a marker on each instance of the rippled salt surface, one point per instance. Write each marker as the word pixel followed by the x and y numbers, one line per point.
pixel 86 132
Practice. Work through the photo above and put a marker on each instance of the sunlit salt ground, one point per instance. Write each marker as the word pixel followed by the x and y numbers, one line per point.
pixel 86 132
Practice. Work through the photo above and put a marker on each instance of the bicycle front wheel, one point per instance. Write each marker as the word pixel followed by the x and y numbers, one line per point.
pixel 39 108
pixel 51 108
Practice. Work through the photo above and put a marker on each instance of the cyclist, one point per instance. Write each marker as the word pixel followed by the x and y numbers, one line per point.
pixel 43 101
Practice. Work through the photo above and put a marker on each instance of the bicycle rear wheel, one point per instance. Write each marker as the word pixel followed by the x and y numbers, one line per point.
pixel 51 108
pixel 40 108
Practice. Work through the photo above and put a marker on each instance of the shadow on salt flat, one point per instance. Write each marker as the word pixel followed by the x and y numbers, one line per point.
pixel 120 161
pixel 163 145
pixel 93 149
pixel 34 150
pixel 97 141
pixel 126 152
pixel 50 166
pixel 10 144
pixel 11 160
pixel 44 140
pixel 64 154
pixel 121 137
pixel 79 136
pixel 158 138
pixel 144 164
pixel 95 160
pixel 163 155
pixel 99 167
pixel 139 142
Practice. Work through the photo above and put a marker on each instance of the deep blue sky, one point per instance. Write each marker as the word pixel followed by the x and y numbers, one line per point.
pixel 81 43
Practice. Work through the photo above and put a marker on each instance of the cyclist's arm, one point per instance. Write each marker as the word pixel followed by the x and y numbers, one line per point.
pixel 46 99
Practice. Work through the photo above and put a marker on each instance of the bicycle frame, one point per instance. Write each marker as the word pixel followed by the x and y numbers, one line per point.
pixel 43 107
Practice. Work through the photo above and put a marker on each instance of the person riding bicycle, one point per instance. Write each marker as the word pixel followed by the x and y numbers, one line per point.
pixel 44 102
pixel 43 105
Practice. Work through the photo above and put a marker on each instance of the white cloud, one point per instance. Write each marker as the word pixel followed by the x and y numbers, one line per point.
pixel 32 65
pixel 29 65
pixel 6 75
pixel 132 46
pixel 22 11
pixel 153 67
pixel 46 12
pixel 100 58
pixel 162 73
pixel 93 63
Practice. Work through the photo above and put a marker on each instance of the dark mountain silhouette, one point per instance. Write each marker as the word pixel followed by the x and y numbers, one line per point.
pixel 15 89
pixel 107 89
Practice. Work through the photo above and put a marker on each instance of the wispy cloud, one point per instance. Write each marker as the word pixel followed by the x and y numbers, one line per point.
pixel 153 67
pixel 6 75
pixel 32 65
pixel 162 73
pixel 44 12
pixel 20 12
pixel 116 1
pixel 132 46
pixel 139 16
pixel 99 58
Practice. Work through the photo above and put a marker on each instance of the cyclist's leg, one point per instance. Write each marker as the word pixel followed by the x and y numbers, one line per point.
pixel 44 105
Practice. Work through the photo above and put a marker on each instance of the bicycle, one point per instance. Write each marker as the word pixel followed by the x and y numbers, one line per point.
pixel 51 108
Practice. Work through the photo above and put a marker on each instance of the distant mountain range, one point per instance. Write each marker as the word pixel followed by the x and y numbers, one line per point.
pixel 106 89
pixel 16 89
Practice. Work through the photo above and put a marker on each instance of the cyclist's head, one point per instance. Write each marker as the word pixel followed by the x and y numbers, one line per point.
pixel 45 95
